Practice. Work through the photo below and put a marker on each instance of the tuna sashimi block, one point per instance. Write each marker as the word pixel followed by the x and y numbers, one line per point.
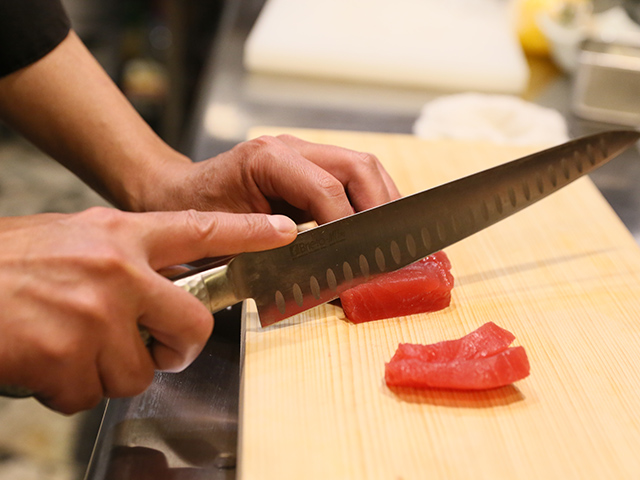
pixel 423 286
pixel 477 361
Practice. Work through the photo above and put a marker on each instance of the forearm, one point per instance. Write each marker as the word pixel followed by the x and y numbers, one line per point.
pixel 68 106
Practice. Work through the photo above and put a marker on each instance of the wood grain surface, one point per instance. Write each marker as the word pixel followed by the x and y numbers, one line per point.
pixel 563 276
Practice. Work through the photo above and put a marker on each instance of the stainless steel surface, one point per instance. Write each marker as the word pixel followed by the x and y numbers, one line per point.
pixel 607 85
pixel 184 426
pixel 202 403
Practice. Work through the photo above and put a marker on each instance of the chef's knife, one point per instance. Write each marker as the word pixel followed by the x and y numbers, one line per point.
pixel 324 261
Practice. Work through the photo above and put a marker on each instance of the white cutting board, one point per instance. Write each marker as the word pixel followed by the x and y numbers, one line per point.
pixel 453 45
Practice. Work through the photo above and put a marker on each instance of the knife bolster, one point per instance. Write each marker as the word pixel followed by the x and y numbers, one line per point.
pixel 211 287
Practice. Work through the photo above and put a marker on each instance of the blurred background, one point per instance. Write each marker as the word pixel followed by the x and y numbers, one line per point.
pixel 201 75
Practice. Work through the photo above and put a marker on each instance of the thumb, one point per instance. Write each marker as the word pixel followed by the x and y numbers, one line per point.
pixel 178 237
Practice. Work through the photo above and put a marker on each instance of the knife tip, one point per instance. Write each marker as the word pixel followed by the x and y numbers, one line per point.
pixel 617 141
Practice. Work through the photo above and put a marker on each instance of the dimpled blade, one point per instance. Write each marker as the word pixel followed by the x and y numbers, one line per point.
pixel 324 261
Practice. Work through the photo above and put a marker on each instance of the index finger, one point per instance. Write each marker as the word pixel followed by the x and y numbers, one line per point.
pixel 169 238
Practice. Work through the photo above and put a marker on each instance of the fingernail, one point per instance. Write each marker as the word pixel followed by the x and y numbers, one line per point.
pixel 282 224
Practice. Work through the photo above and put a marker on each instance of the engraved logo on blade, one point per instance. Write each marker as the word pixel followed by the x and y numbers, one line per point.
pixel 301 248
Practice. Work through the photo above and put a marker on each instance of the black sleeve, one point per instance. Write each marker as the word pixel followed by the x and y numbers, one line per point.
pixel 29 29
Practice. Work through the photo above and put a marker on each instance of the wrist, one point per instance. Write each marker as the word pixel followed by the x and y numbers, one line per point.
pixel 151 186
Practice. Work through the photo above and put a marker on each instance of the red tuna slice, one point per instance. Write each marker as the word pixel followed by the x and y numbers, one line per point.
pixel 487 340
pixel 494 371
pixel 423 286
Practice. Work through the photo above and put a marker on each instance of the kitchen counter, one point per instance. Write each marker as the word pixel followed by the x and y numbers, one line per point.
pixel 185 425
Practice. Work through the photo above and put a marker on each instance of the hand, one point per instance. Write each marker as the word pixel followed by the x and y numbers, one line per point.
pixel 74 288
pixel 261 175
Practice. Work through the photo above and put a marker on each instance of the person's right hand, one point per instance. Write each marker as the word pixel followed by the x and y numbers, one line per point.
pixel 74 289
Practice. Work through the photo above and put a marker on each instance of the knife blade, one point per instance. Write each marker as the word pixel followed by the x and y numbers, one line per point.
pixel 325 261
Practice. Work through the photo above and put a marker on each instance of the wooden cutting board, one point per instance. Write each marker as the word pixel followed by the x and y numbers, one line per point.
pixel 563 276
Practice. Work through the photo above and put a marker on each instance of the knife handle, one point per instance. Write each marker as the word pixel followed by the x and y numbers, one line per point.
pixel 212 287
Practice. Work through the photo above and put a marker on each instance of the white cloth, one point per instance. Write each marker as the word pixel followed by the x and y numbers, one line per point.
pixel 502 119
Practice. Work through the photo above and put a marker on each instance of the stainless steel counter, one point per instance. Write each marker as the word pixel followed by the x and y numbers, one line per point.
pixel 186 425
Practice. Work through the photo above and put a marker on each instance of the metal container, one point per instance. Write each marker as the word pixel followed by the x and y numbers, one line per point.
pixel 607 83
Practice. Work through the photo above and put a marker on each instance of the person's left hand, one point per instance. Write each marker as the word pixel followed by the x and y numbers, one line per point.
pixel 281 174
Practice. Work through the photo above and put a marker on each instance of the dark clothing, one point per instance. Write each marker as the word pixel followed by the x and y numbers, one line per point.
pixel 29 29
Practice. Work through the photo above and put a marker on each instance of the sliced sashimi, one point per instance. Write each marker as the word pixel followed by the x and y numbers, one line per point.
pixel 480 360
pixel 494 371
pixel 487 340
pixel 423 286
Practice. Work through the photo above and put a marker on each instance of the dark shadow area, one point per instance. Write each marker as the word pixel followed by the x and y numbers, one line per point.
pixel 141 463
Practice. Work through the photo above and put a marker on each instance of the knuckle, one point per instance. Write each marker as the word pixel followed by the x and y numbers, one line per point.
pixel 144 379
pixel 136 381
pixel 101 252
pixel 252 225
pixel 200 327
pixel 108 259
pixel 197 324
pixel 97 312
pixel 77 402
pixel 60 350
pixel 88 318
pixel 141 373
pixel 193 336
pixel 331 186
pixel 251 148
pixel 92 399
pixel 203 226
pixel 105 216
pixel 285 137
pixel 366 161
pixel 265 141
pixel 88 400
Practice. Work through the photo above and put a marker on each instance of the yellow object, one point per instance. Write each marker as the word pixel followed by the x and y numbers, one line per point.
pixel 525 16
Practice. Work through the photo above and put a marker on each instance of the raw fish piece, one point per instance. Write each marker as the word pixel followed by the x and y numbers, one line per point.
pixel 423 286
pixel 495 371
pixel 480 360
